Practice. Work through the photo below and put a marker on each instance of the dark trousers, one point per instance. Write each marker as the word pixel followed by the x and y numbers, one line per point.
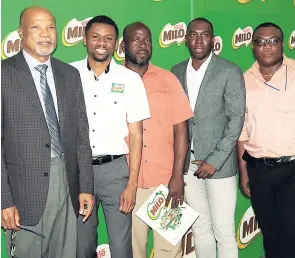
pixel 273 201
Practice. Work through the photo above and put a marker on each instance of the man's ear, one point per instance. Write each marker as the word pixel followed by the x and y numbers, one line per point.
pixel 185 40
pixel 84 40
pixel 122 46
pixel 213 41
pixel 20 32
pixel 117 45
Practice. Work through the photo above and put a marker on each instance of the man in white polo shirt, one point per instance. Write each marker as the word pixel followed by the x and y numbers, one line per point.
pixel 116 104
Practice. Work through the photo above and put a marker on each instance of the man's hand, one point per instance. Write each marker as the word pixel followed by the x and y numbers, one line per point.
pixel 86 205
pixel 205 170
pixel 10 218
pixel 128 198
pixel 176 191
pixel 244 183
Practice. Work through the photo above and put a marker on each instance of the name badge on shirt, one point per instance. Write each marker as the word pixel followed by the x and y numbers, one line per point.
pixel 117 88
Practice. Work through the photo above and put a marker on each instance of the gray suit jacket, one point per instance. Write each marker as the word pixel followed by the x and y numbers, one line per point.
pixel 218 115
pixel 25 140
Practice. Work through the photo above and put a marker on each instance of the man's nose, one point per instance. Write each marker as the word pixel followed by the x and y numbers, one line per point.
pixel 101 42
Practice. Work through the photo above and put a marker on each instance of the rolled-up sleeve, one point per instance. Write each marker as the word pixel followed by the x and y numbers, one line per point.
pixel 244 134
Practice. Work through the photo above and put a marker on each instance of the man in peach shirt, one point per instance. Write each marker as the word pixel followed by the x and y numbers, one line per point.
pixel 267 144
pixel 165 139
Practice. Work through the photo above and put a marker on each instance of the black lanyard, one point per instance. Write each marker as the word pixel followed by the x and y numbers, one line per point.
pixel 275 88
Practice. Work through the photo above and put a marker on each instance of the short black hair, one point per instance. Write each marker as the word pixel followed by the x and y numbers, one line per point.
pixel 268 25
pixel 203 20
pixel 104 20
pixel 141 24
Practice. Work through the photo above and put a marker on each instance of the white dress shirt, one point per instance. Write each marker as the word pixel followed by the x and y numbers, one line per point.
pixel 114 99
pixel 32 63
pixel 194 80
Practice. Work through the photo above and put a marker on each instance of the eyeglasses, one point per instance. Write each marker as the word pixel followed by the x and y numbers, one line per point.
pixel 13 236
pixel 271 42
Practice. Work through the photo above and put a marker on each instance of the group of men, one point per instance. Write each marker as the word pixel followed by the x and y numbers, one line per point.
pixel 141 126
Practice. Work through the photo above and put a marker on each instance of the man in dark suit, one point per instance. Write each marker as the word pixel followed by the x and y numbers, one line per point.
pixel 215 88
pixel 46 156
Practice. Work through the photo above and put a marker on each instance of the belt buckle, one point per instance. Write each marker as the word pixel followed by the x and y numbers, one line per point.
pixel 97 160
pixel 268 162
pixel 97 157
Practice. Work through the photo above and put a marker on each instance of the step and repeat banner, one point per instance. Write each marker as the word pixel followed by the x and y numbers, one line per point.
pixel 234 22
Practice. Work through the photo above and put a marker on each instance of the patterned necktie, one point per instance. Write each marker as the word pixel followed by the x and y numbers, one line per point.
pixel 51 117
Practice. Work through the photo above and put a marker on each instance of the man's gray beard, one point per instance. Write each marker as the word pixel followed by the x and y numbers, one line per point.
pixel 43 53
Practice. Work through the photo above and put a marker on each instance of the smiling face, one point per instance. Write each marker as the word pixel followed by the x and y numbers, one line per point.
pixel 138 44
pixel 101 42
pixel 199 39
pixel 268 46
pixel 38 33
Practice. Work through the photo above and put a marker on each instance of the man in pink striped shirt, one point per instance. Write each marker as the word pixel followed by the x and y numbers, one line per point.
pixel 266 146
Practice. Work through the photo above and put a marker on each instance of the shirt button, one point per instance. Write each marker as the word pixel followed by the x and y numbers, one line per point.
pixel 115 102
pixel 144 129
pixel 145 161
pixel 144 145
pixel 93 147
pixel 47 145
pixel 45 174
pixel 93 130
pixel 94 113
pixel 95 96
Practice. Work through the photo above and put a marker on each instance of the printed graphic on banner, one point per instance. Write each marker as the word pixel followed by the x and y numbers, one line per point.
pixel 103 251
pixel 218 45
pixel 176 34
pixel 170 223
pixel 171 34
pixel 11 45
pixel 119 54
pixel 248 229
pixel 242 37
pixel 247 1
pixel 73 32
pixel 292 40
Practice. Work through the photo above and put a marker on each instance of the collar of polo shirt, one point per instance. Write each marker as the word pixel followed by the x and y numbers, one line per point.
pixel 105 71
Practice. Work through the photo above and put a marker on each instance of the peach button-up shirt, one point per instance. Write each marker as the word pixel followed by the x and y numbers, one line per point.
pixel 269 128
pixel 169 106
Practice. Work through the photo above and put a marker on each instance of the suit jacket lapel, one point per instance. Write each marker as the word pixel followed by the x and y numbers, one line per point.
pixel 206 81
pixel 183 79
pixel 26 81
pixel 60 82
